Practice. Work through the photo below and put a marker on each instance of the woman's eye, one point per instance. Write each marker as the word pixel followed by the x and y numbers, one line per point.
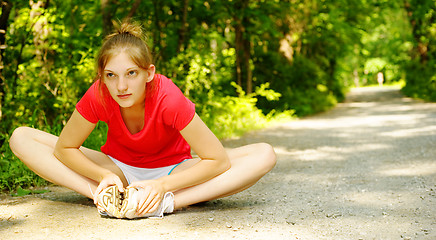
pixel 132 73
pixel 109 75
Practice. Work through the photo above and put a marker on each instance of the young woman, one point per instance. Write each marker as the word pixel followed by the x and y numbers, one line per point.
pixel 152 129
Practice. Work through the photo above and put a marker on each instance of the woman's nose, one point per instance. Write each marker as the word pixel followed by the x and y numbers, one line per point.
pixel 122 84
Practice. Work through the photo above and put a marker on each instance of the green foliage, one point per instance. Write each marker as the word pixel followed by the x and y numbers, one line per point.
pixel 23 192
pixel 420 73
pixel 384 46
pixel 231 116
pixel 421 80
pixel 303 87
pixel 13 173
pixel 98 137
pixel 375 65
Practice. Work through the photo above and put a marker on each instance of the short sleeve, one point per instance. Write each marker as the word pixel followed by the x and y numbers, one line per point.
pixel 178 111
pixel 90 106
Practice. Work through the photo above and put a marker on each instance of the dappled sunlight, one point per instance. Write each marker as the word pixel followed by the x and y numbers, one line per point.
pixel 399 108
pixel 410 132
pixel 358 121
pixel 282 151
pixel 358 104
pixel 380 199
pixel 319 180
pixel 377 120
pixel 17 210
pixel 410 170
pixel 329 153
pixel 322 153
pixel 367 147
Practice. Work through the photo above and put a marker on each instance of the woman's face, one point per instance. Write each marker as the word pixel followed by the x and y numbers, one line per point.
pixel 126 81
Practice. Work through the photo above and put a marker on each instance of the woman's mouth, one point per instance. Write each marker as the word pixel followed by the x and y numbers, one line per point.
pixel 123 96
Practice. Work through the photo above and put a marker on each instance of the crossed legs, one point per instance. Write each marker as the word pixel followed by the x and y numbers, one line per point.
pixel 248 164
pixel 35 149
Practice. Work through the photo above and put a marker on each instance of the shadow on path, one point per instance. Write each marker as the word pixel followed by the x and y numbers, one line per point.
pixel 365 168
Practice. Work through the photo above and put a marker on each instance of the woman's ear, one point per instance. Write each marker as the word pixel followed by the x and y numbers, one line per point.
pixel 151 71
pixel 99 76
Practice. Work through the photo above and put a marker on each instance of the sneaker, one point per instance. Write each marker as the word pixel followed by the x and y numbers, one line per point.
pixel 166 206
pixel 130 204
pixel 109 202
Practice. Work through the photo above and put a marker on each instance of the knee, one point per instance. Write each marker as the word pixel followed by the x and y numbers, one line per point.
pixel 268 154
pixel 18 138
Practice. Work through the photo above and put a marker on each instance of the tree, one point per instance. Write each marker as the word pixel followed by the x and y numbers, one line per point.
pixel 421 71
pixel 421 15
pixel 107 15
pixel 4 19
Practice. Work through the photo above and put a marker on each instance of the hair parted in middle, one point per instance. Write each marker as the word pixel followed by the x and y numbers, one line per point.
pixel 128 37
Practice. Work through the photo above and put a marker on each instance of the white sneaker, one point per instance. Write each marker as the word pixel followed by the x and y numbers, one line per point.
pixel 109 202
pixel 131 199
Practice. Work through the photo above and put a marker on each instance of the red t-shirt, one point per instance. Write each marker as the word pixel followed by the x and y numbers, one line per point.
pixel 159 143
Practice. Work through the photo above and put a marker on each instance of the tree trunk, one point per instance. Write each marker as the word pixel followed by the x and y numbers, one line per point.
pixel 243 48
pixel 6 10
pixel 107 16
pixel 239 55
pixel 182 30
pixel 421 49
pixel 135 6
pixel 247 57
pixel 246 43
pixel 40 32
pixel 157 34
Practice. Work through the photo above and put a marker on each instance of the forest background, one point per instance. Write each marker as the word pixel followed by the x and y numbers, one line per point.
pixel 244 63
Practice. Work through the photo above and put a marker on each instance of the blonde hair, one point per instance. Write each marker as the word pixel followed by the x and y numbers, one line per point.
pixel 128 38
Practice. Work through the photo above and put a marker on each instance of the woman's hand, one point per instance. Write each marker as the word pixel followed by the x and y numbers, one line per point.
pixel 108 180
pixel 151 196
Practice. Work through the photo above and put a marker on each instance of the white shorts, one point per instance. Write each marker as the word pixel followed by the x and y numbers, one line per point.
pixel 134 174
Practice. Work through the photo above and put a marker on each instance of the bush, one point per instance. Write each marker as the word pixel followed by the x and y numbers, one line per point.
pixel 14 174
pixel 304 87
pixel 421 80
pixel 232 116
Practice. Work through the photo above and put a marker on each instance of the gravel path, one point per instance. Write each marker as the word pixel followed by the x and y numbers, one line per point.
pixel 364 170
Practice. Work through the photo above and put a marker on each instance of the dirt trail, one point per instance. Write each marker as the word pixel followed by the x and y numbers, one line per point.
pixel 364 170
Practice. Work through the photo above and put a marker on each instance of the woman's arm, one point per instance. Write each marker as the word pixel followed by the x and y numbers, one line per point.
pixel 67 147
pixel 214 159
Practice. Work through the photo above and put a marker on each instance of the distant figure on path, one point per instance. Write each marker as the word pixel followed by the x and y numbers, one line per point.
pixel 380 79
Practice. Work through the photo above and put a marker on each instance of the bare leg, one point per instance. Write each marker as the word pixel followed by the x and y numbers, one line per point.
pixel 248 164
pixel 35 149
